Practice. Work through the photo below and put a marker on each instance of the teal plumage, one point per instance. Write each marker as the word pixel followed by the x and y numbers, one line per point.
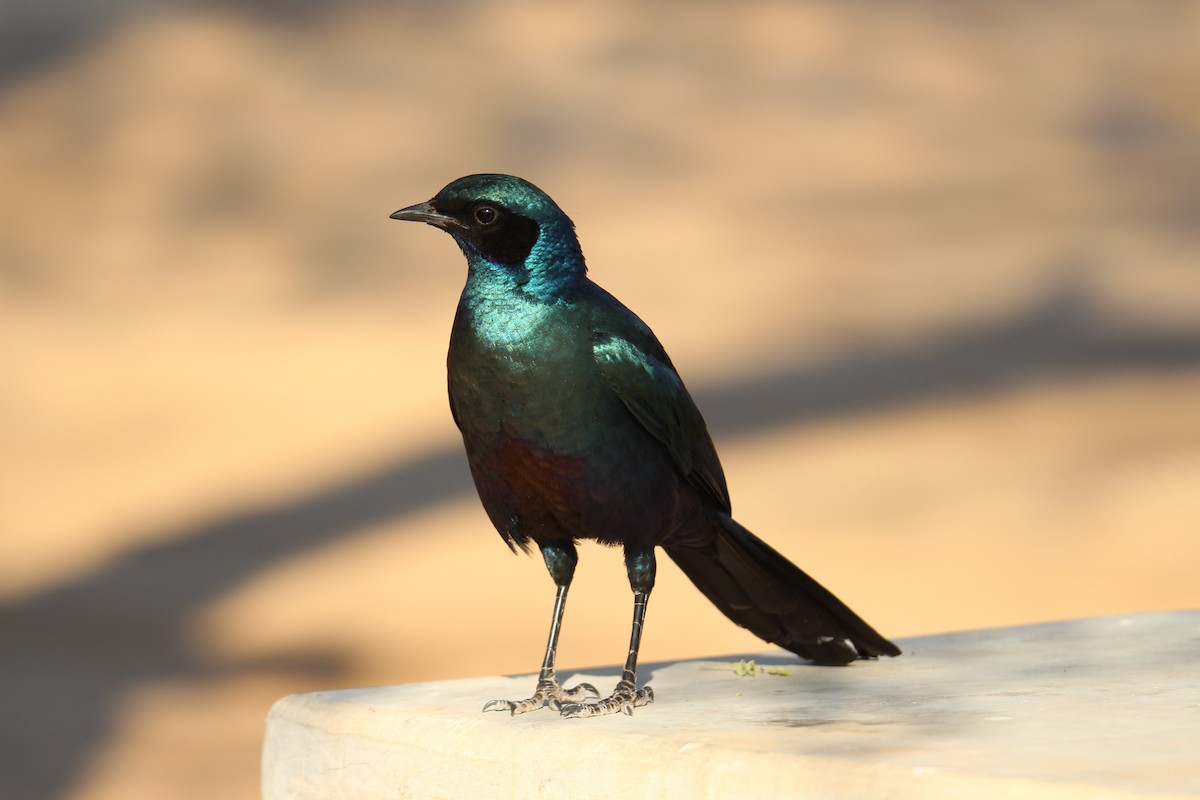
pixel 577 426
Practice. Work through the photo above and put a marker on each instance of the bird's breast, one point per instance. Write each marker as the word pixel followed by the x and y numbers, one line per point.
pixel 549 442
pixel 506 321
pixel 527 368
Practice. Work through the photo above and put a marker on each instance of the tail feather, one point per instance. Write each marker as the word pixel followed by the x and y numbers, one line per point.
pixel 762 591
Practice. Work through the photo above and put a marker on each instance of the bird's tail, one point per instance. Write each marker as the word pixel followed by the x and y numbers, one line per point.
pixel 762 591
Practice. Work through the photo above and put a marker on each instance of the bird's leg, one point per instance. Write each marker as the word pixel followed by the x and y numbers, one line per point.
pixel 560 560
pixel 626 696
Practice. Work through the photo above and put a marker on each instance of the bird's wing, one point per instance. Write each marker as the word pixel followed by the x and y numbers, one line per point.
pixel 636 367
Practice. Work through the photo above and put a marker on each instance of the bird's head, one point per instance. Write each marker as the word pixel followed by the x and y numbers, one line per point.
pixel 509 230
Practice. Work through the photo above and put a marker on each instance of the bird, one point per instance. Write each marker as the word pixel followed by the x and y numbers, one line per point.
pixel 577 426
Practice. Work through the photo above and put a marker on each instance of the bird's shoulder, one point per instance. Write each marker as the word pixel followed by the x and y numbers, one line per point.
pixel 616 328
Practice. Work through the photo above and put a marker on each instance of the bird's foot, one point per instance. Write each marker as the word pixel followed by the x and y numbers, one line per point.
pixel 547 693
pixel 624 698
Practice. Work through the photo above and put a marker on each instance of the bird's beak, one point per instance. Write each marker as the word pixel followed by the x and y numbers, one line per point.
pixel 425 212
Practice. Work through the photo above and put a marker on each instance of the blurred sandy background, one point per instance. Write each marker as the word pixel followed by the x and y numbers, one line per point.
pixel 931 270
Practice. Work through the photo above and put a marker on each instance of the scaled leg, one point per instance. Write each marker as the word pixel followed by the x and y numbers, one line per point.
pixel 560 560
pixel 626 696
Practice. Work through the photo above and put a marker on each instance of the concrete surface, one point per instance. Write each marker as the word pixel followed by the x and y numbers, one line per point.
pixel 1102 707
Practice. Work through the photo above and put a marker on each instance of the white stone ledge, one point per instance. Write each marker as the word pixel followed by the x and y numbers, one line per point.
pixel 1094 708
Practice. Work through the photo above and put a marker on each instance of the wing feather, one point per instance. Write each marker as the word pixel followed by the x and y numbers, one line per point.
pixel 638 370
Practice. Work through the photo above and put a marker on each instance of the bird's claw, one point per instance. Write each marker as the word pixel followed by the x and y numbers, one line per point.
pixel 579 692
pixel 624 699
pixel 507 705
pixel 575 694
pixel 547 693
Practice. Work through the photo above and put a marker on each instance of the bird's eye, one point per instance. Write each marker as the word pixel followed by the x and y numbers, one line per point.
pixel 486 215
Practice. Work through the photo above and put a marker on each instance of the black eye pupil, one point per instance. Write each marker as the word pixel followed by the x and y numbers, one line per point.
pixel 485 215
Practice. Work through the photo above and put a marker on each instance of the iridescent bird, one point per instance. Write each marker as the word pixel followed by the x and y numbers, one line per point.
pixel 577 426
